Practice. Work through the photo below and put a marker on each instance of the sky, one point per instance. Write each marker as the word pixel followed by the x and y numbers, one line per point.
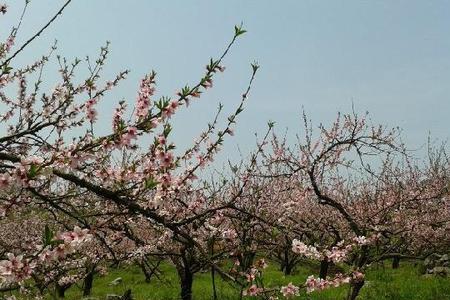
pixel 390 58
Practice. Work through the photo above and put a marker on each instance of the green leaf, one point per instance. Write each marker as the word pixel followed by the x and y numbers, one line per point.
pixel 255 67
pixel 56 242
pixel 89 83
pixel 275 232
pixel 167 130
pixel 151 183
pixel 238 30
pixel 6 69
pixel 48 236
pixel 33 171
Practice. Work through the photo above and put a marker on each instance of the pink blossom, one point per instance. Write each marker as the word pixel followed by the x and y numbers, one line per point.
pixel 229 234
pixel 5 180
pixel 253 290
pixel 251 275
pixel 91 112
pixel 290 290
pixel 308 251
pixel 361 240
pixel 170 109
pixel 130 134
pixel 230 131
pixel 146 90
pixel 312 284
pixel 262 264
pixel 117 116
pixel 165 180
pixel 162 140
pixel 15 269
pixel 32 160
pixel 357 276
pixel 166 158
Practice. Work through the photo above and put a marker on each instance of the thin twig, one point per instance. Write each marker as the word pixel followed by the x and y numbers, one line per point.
pixel 36 34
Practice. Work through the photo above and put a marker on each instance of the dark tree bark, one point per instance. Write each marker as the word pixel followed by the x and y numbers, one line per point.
pixel 213 272
pixel 246 260
pixel 395 262
pixel 61 290
pixel 147 275
pixel 149 268
pixel 288 269
pixel 88 282
pixel 324 264
pixel 186 280
pixel 355 288
pixel 186 265
pixel 282 267
pixel 213 281
pixel 286 259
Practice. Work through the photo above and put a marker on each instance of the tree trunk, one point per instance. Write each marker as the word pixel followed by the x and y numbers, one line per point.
pixel 288 269
pixel 246 260
pixel 147 274
pixel 324 264
pixel 186 267
pixel 356 286
pixel 395 262
pixel 213 281
pixel 355 289
pixel 282 265
pixel 88 281
pixel 213 273
pixel 186 280
pixel 61 290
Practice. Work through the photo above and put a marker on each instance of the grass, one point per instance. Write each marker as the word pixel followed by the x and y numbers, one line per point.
pixel 404 284
pixel 382 283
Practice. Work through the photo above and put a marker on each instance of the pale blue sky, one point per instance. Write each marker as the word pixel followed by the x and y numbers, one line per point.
pixel 391 58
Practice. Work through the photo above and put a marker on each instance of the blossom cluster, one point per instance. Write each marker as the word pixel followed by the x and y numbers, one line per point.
pixel 316 284
pixel 336 254
pixel 91 112
pixel 252 290
pixel 290 290
pixel 146 90
pixel 309 251
pixel 21 173
pixel 15 269
pixel 70 241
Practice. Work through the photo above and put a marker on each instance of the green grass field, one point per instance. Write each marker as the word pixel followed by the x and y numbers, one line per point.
pixel 382 283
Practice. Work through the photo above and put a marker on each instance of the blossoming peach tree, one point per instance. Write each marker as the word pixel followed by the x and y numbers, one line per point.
pixel 74 202
pixel 347 207
pixel 81 184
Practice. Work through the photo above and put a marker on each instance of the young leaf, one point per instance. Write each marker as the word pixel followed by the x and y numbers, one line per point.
pixel 238 30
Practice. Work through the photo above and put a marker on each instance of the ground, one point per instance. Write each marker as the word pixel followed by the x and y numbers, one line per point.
pixel 382 283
